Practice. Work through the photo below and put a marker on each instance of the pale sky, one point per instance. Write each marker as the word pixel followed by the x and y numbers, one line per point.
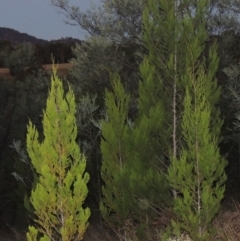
pixel 39 18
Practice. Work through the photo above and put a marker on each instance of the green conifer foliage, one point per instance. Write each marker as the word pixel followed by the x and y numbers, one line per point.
pixel 198 175
pixel 135 186
pixel 171 32
pixel 175 36
pixel 61 189
pixel 114 130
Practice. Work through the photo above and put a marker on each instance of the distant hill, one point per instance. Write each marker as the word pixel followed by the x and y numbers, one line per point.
pixel 15 37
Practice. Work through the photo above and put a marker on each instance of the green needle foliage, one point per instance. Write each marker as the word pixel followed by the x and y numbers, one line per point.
pixel 113 145
pixel 61 189
pixel 135 188
pixel 172 30
pixel 198 175
pixel 136 155
pixel 175 36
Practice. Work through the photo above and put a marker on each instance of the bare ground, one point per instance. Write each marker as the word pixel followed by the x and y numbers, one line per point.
pixel 62 70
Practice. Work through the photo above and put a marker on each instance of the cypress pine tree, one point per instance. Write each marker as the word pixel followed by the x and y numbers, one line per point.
pixel 175 37
pixel 61 189
pixel 130 159
pixel 114 130
pixel 169 32
pixel 198 174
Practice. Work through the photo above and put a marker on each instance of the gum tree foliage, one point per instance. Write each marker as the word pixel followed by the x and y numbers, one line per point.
pixel 119 19
pixel 114 31
pixel 114 41
pixel 61 188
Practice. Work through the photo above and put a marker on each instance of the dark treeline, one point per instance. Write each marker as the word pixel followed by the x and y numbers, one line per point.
pixel 60 49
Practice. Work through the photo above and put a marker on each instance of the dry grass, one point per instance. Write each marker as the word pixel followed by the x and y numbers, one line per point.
pixel 94 233
pixel 227 223
pixel 62 70
pixel 227 226
pixel 182 238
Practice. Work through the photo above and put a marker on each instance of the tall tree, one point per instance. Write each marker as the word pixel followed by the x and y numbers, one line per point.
pixel 175 42
pixel 174 37
pixel 112 43
pixel 196 172
pixel 106 49
pixel 177 39
pixel 135 188
pixel 115 42
pixel 198 175
pixel 115 36
pixel 23 98
pixel 61 189
pixel 22 57
pixel 122 19
pixel 114 130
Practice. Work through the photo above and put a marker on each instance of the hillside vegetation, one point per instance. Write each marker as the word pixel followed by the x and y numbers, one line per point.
pixel 139 137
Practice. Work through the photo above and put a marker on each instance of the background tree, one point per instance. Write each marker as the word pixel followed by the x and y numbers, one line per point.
pixel 112 44
pixel 22 98
pixel 61 190
pixel 89 139
pixel 222 16
pixel 5 46
pixel 60 49
pixel 230 111
pixel 21 58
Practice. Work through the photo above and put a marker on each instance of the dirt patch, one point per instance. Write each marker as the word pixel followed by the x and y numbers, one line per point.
pixel 62 70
